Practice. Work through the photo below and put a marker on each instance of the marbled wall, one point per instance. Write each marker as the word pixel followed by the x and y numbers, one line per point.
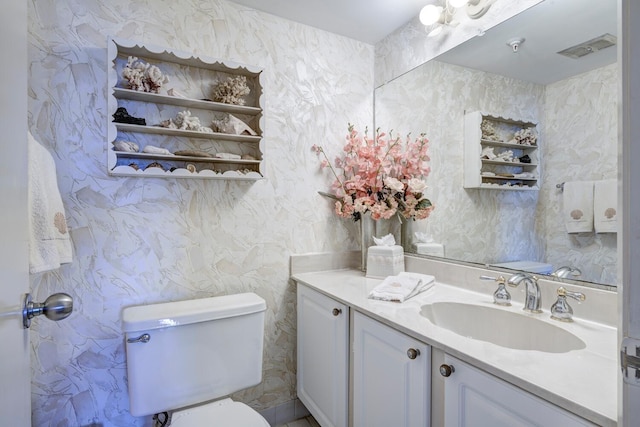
pixel 141 241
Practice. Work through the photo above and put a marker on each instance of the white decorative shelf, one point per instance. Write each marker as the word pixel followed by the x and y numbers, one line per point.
pixel 475 164
pixel 193 77
pixel 159 130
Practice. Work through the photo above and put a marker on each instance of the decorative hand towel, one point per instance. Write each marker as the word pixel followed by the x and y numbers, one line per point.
pixel 578 206
pixel 49 242
pixel 605 206
pixel 401 287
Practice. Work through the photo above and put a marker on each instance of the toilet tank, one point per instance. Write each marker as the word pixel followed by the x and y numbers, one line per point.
pixel 198 350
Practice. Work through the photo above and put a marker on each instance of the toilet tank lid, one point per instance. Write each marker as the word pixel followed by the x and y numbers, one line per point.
pixel 164 315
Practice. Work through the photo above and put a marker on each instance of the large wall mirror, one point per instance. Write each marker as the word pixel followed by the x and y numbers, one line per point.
pixel 574 100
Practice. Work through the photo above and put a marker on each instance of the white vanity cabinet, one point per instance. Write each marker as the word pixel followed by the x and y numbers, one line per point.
pixel 190 153
pixel 391 376
pixel 489 147
pixel 323 357
pixel 473 398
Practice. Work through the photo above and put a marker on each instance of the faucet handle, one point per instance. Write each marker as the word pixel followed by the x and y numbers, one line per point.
pixel 561 310
pixel 578 296
pixel 501 296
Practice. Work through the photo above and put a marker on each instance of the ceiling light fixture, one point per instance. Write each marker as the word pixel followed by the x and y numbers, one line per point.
pixel 438 16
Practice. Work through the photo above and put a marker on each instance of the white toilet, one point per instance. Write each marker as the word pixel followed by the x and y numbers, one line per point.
pixel 183 355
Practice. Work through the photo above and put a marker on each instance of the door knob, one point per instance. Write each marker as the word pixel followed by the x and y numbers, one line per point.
pixel 56 307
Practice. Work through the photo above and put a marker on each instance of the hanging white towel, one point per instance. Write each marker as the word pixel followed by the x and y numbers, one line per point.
pixel 402 287
pixel 605 206
pixel 49 242
pixel 578 206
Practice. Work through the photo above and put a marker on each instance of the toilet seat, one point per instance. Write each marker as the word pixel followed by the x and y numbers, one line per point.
pixel 221 413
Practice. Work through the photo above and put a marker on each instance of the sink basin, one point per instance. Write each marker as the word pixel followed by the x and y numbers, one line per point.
pixel 501 327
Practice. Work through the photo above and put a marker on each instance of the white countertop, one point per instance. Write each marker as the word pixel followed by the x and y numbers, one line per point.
pixel 581 381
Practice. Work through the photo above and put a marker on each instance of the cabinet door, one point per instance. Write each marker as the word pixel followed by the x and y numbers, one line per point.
pixel 475 398
pixel 391 377
pixel 323 357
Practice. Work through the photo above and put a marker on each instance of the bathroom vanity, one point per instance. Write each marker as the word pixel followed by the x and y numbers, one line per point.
pixel 363 362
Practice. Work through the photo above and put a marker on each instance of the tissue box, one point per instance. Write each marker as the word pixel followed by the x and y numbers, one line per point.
pixel 434 249
pixel 383 261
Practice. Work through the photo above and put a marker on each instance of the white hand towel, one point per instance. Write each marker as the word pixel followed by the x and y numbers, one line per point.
pixel 605 206
pixel 578 206
pixel 402 287
pixel 49 242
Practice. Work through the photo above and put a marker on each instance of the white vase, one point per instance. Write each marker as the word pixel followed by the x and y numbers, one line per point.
pixel 367 230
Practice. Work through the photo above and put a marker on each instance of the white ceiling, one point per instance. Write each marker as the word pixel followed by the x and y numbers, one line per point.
pixel 366 20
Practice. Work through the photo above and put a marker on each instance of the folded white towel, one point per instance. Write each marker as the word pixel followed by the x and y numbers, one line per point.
pixel 402 287
pixel 605 206
pixel 578 206
pixel 49 242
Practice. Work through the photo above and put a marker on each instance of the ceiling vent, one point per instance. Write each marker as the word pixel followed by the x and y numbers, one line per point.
pixel 590 46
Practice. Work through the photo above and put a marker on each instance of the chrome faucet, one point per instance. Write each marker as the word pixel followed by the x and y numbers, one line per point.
pixel 566 271
pixel 533 298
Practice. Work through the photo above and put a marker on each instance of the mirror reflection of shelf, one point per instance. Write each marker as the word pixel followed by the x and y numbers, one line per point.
pixel 510 164
pixel 477 165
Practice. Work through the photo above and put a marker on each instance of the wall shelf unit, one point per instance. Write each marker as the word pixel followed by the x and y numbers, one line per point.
pixel 191 79
pixel 494 158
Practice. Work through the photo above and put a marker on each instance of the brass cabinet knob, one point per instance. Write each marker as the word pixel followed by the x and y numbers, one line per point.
pixel 412 353
pixel 336 311
pixel 446 370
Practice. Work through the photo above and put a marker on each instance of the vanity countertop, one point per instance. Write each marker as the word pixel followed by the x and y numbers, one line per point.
pixel 581 381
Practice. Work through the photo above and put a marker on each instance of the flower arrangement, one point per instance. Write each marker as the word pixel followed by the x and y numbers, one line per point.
pixel 383 175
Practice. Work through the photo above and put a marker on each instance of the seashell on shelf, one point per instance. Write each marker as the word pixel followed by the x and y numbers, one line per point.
pixel 127 146
pixel 232 125
pixel 151 149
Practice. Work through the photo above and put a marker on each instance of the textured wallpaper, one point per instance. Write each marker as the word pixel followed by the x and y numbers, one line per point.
pixel 148 240
pixel 578 137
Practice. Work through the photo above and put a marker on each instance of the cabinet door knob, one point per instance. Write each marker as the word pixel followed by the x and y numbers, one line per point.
pixel 412 353
pixel 336 311
pixel 446 370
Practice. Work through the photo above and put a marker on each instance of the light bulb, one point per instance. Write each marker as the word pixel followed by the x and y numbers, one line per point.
pixel 458 3
pixel 430 14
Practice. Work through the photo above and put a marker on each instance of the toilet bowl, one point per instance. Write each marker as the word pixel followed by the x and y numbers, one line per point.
pixel 186 357
pixel 222 413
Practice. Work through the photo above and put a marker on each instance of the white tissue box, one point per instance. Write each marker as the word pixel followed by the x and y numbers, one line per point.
pixel 434 249
pixel 383 261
